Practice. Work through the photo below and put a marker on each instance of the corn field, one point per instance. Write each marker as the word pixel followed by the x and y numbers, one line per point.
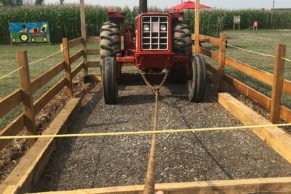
pixel 64 20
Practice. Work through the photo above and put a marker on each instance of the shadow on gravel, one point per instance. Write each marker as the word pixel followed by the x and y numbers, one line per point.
pixel 104 124
pixel 176 90
pixel 180 91
pixel 134 100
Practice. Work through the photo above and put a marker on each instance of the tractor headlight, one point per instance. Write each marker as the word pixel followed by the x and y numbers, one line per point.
pixel 163 27
pixel 146 27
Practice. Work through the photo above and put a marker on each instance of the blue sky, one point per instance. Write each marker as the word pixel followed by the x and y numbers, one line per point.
pixel 226 4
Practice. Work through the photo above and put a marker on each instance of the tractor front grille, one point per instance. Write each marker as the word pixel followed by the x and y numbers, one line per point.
pixel 155 32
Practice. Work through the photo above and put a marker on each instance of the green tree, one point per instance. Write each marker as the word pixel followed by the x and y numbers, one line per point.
pixel 11 2
pixel 62 1
pixel 39 2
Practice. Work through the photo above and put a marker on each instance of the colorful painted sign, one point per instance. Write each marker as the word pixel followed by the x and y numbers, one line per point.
pixel 29 32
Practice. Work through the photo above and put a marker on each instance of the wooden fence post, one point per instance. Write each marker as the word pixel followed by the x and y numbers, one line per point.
pixel 68 74
pixel 85 56
pixel 277 88
pixel 84 35
pixel 221 62
pixel 25 84
pixel 197 26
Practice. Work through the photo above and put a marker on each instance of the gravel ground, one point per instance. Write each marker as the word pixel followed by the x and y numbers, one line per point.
pixel 114 161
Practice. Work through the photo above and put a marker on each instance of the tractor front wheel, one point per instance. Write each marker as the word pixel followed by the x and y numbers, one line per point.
pixel 197 82
pixel 110 87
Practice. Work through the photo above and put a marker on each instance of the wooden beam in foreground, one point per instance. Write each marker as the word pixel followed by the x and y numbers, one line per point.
pixel 275 137
pixel 204 187
pixel 31 166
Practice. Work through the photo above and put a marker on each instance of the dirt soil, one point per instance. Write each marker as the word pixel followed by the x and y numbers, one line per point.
pixel 12 153
pixel 114 161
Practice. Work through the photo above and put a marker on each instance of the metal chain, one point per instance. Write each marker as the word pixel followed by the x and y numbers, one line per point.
pixel 149 187
pixel 155 88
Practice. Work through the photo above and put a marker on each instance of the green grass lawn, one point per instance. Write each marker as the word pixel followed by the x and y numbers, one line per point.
pixel 263 41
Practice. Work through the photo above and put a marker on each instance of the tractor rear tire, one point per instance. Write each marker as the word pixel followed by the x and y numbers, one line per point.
pixel 182 39
pixel 110 87
pixel 182 45
pixel 197 83
pixel 110 39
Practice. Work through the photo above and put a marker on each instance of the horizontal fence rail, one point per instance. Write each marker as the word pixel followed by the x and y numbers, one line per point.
pixel 208 39
pixel 10 102
pixel 43 79
pixel 93 39
pixel 26 119
pixel 75 42
pixel 50 94
pixel 93 51
pixel 76 56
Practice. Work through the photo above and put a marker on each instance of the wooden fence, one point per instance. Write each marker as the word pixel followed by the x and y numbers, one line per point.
pixel 28 87
pixel 276 81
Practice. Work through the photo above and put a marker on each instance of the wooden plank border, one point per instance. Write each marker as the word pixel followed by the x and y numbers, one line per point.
pixel 275 137
pixel 214 187
pixel 31 166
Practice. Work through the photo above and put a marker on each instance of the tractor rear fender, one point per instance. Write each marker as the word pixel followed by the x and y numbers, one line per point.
pixel 116 17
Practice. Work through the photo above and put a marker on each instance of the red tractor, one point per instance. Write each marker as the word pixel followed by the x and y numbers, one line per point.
pixel 158 41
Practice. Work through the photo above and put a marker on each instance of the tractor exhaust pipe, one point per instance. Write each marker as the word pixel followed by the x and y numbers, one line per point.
pixel 143 6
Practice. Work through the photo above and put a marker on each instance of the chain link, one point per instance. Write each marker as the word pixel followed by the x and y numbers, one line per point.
pixel 155 88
